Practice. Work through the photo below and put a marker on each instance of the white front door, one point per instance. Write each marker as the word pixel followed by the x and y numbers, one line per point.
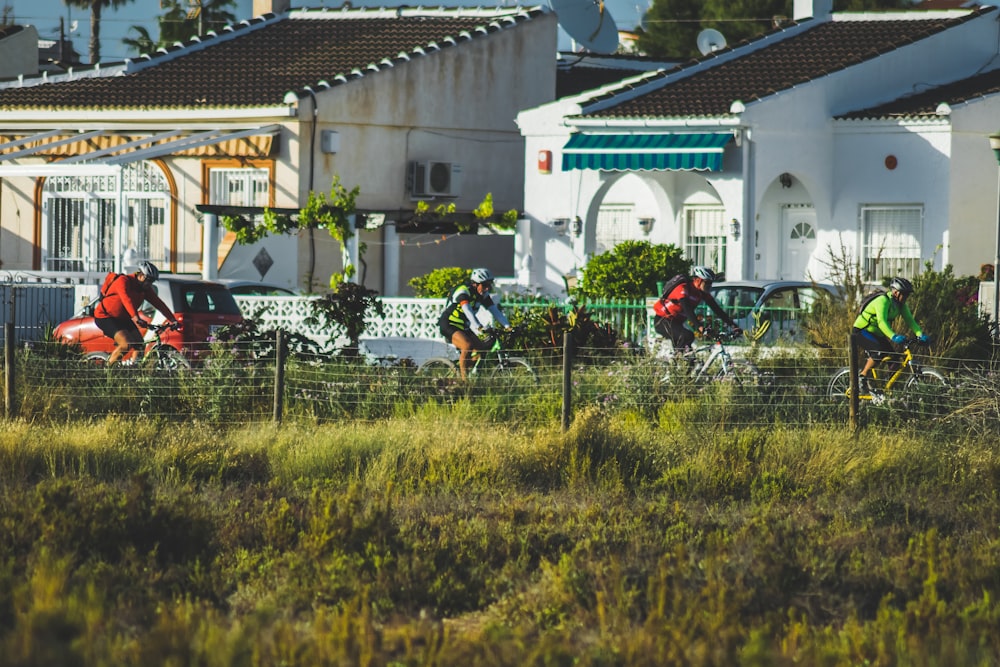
pixel 799 234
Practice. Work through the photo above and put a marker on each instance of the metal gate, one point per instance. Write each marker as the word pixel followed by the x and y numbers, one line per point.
pixel 34 309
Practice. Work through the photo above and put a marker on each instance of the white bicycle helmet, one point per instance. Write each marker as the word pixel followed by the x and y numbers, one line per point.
pixel 704 273
pixel 149 270
pixel 481 276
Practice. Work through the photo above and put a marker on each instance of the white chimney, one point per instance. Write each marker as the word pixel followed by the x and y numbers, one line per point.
pixel 261 7
pixel 803 9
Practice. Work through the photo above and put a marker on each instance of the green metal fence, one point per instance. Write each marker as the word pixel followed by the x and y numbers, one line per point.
pixel 629 317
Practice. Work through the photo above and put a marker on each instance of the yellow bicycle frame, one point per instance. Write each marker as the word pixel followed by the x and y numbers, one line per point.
pixel 903 365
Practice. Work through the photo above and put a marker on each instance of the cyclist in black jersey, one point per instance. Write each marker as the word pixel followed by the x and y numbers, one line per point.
pixel 459 324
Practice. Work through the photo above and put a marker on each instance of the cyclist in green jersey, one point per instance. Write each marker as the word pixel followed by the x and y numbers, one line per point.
pixel 873 327
pixel 459 324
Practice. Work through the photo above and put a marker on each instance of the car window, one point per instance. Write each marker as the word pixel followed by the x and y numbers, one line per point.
pixel 782 299
pixel 736 301
pixel 208 299
pixel 808 297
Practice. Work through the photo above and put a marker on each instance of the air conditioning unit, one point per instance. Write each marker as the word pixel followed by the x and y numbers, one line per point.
pixel 428 179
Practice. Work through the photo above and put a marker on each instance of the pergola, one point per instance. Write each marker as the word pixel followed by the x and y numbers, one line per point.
pixel 104 152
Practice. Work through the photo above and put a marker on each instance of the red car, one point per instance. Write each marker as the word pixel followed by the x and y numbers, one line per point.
pixel 201 308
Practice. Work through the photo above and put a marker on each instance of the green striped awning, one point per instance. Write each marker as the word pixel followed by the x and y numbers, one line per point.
pixel 635 152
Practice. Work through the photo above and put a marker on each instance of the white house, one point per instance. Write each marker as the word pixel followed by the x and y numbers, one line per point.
pixel 857 133
pixel 135 159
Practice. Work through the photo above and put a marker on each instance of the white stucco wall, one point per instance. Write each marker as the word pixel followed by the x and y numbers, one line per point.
pixel 456 105
pixel 19 53
pixel 837 167
pixel 973 207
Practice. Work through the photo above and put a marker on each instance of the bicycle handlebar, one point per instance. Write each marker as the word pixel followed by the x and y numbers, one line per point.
pixel 160 328
pixel 719 335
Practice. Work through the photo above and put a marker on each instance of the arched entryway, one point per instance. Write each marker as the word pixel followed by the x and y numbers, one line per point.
pixel 89 222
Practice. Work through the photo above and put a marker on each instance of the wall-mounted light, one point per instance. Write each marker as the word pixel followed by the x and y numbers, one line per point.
pixel 577 226
pixel 785 179
pixel 646 224
pixel 734 229
pixel 560 225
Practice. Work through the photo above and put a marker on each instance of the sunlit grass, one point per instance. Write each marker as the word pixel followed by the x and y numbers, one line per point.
pixel 639 536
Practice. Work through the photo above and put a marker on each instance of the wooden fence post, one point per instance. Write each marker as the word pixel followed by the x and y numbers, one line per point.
pixel 854 402
pixel 8 369
pixel 279 375
pixel 567 380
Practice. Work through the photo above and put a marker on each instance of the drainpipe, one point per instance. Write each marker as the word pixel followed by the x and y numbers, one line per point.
pixel 749 269
pixel 312 170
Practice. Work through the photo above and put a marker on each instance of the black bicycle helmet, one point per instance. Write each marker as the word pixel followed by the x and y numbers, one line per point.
pixel 901 285
pixel 149 270
pixel 704 273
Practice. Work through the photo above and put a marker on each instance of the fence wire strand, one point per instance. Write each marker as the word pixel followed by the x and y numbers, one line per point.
pixel 792 388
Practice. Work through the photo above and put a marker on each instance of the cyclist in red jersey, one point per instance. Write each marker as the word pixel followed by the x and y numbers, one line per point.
pixel 679 305
pixel 117 314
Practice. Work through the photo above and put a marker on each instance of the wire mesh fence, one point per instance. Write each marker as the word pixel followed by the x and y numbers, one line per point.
pixel 756 387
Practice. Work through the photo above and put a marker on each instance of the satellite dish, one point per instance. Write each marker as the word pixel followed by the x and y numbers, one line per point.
pixel 710 40
pixel 589 23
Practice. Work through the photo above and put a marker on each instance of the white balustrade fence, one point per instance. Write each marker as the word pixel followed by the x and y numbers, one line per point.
pixel 404 317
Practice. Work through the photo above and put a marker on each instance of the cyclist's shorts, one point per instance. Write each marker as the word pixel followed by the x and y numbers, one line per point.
pixel 877 346
pixel 109 326
pixel 448 330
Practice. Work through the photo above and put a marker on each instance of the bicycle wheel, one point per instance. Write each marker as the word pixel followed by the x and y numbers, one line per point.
pixel 925 394
pixel 438 367
pixel 840 384
pixel 515 370
pixel 165 358
pixel 741 372
pixel 99 359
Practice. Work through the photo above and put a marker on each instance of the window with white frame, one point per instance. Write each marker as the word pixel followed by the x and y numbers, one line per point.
pixel 705 236
pixel 890 241
pixel 245 186
pixel 613 222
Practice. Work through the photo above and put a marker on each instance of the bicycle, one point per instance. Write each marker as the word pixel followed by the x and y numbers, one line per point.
pixel 496 362
pixel 156 355
pixel 713 362
pixel 923 386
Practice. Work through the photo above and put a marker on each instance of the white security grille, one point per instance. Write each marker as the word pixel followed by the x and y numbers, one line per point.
pixel 239 187
pixel 705 236
pixel 81 226
pixel 890 241
pixel 613 222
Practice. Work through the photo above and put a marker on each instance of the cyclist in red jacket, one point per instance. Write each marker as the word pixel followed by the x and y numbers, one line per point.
pixel 678 308
pixel 117 314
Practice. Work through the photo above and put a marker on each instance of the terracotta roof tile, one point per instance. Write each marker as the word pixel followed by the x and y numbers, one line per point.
pixel 828 47
pixel 259 62
pixel 579 79
pixel 925 103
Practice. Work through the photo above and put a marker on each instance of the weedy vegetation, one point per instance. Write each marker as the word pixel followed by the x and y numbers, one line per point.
pixel 445 539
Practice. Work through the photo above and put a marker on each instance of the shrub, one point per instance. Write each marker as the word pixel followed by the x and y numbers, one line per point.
pixel 345 308
pixel 942 306
pixel 630 271
pixel 940 303
pixel 439 283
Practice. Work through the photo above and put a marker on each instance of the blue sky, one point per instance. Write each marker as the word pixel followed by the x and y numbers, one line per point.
pixel 115 25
